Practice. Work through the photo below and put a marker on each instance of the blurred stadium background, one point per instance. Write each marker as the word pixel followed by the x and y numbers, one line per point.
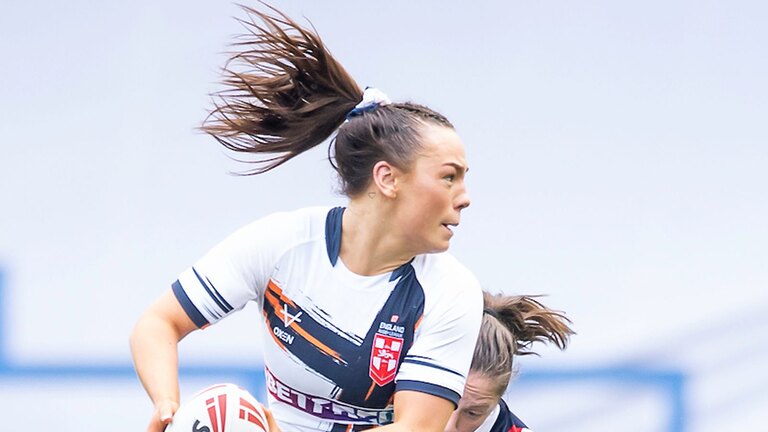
pixel 618 156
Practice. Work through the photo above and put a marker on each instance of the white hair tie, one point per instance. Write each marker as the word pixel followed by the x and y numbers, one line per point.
pixel 372 99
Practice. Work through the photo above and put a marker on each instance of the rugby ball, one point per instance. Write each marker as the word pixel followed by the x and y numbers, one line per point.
pixel 220 408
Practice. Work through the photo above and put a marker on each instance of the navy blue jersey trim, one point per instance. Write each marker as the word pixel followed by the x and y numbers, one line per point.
pixel 420 357
pixel 219 296
pixel 428 364
pixel 333 233
pixel 402 271
pixel 212 312
pixel 188 306
pixel 506 419
pixel 211 290
pixel 429 388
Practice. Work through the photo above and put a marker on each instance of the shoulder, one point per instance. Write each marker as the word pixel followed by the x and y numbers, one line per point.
pixel 445 280
pixel 303 222
pixel 445 270
pixel 442 266
pixel 309 217
pixel 268 237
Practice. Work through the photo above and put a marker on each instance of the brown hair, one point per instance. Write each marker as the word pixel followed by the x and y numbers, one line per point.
pixel 511 324
pixel 285 94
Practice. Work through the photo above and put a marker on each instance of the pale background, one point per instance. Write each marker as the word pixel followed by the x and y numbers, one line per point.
pixel 618 156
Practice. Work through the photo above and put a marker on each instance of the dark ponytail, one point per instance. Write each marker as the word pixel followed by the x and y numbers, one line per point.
pixel 511 324
pixel 285 94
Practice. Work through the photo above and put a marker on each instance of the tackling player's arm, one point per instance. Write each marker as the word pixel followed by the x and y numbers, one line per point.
pixel 154 348
pixel 419 412
pixel 414 412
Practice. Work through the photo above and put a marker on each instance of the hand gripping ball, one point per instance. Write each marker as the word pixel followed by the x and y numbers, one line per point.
pixel 220 408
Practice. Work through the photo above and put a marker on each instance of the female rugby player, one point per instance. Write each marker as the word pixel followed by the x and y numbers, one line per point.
pixel 370 322
pixel 511 324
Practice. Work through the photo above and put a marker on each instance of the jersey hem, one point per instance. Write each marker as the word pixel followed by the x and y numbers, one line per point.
pixel 429 388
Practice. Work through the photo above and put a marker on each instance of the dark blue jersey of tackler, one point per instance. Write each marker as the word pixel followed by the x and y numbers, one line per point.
pixel 507 421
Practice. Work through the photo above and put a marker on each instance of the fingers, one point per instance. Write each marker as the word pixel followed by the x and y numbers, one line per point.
pixel 273 427
pixel 163 415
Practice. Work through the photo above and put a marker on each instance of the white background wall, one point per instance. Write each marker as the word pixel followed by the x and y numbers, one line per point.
pixel 618 164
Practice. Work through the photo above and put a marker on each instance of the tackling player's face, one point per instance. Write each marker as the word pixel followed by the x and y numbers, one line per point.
pixel 432 193
pixel 479 399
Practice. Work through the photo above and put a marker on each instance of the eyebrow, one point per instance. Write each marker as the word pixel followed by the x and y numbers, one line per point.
pixel 477 406
pixel 458 166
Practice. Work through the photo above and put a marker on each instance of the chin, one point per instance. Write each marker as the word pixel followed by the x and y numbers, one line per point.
pixel 435 245
pixel 440 247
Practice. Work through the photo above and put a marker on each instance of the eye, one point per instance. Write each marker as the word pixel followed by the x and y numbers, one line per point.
pixel 450 177
pixel 473 413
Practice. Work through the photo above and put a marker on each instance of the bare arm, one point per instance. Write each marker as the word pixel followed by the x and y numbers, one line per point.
pixel 419 412
pixel 414 412
pixel 154 348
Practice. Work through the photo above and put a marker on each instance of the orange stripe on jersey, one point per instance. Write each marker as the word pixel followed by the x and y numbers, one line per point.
pixel 271 286
pixel 271 333
pixel 319 345
pixel 418 323
pixel 370 390
pixel 271 297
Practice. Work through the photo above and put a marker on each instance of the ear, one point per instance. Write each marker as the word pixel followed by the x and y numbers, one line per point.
pixel 385 178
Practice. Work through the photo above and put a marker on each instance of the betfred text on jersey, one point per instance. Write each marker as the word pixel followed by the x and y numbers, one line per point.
pixel 324 408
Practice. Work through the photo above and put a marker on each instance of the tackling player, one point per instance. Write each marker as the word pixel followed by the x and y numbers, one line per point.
pixel 511 324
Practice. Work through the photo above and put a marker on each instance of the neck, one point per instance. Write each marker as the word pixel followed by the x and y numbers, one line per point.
pixel 369 243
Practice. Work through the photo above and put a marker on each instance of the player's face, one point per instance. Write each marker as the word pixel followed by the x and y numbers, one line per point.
pixel 432 193
pixel 479 399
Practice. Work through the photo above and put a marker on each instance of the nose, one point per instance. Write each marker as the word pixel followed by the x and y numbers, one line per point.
pixel 462 199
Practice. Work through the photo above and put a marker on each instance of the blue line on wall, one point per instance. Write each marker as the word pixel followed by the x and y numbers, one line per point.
pixel 3 314
pixel 670 381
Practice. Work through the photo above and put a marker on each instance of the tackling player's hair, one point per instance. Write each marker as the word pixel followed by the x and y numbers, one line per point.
pixel 285 93
pixel 511 324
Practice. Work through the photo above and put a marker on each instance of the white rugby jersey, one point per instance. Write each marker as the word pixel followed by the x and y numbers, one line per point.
pixel 340 344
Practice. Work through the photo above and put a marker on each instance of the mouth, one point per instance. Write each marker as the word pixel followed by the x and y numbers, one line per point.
pixel 450 226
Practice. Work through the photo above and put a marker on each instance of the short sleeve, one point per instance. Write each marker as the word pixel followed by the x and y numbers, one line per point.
pixel 237 270
pixel 439 359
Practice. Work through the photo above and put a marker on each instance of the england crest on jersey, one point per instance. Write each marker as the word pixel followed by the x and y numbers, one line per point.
pixel 385 355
